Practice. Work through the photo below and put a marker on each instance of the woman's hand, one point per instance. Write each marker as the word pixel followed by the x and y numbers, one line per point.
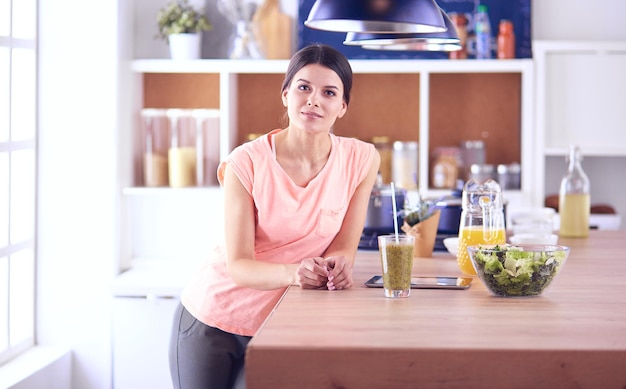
pixel 340 273
pixel 312 273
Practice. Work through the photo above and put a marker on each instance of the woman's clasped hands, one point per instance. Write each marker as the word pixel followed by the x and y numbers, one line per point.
pixel 333 273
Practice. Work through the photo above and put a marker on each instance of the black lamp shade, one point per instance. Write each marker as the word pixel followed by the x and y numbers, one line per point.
pixel 435 41
pixel 376 16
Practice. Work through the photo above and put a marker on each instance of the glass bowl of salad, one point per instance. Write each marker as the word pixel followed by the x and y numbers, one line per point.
pixel 522 270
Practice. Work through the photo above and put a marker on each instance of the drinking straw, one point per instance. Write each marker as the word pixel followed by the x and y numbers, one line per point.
pixel 395 212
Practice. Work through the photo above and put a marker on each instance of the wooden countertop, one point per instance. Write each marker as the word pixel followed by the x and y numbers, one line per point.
pixel 574 335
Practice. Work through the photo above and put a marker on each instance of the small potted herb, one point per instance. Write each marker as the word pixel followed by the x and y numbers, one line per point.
pixel 422 222
pixel 181 25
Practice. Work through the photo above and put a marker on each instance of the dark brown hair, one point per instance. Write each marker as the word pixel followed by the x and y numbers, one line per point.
pixel 326 56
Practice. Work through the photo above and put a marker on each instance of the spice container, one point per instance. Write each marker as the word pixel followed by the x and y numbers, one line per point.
pixel 156 138
pixel 509 176
pixel 481 173
pixel 445 170
pixel 404 164
pixel 182 152
pixel 472 152
pixel 207 128
pixel 385 150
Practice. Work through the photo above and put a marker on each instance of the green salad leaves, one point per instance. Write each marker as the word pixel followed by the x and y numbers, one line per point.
pixel 510 271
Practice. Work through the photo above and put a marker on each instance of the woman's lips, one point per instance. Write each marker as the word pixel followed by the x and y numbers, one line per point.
pixel 311 115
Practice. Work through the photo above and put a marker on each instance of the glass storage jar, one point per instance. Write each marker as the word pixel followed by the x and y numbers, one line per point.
pixel 155 143
pixel 182 152
pixel 404 164
pixel 207 125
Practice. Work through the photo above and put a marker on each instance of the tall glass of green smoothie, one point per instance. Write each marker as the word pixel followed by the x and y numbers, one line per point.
pixel 396 258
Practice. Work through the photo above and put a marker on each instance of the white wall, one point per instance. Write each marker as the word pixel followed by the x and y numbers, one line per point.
pixel 78 155
pixel 578 20
pixel 78 199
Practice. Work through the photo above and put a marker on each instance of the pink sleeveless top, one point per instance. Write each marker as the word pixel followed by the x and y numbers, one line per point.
pixel 292 223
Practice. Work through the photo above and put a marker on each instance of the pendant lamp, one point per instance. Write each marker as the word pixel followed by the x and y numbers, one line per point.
pixel 376 16
pixel 436 41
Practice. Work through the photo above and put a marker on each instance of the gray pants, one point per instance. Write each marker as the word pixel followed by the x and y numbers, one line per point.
pixel 205 357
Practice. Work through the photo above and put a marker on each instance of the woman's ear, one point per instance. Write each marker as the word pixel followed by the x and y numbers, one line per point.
pixel 344 109
pixel 284 97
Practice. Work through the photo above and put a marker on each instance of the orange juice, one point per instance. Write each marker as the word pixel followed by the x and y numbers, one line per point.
pixel 475 235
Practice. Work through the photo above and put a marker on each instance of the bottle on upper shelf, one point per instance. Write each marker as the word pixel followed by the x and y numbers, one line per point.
pixel 506 40
pixel 482 32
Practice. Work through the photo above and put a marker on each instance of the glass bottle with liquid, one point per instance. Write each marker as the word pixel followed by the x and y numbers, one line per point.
pixel 482 31
pixel 482 220
pixel 506 40
pixel 574 199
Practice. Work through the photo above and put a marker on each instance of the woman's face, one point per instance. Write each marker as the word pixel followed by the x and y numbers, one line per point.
pixel 314 99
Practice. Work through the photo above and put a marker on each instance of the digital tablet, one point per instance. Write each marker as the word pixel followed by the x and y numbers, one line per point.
pixel 427 282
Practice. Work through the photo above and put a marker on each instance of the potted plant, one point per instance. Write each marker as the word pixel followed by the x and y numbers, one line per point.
pixel 181 26
pixel 422 222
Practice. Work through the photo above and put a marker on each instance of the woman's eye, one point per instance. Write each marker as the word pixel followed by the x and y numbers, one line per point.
pixel 330 93
pixel 303 87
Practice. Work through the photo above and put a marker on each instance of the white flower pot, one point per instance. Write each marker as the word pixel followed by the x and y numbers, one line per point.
pixel 185 46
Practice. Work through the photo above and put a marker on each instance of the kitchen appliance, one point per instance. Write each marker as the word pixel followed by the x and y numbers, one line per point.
pixel 379 220
pixel 380 215
pixel 450 208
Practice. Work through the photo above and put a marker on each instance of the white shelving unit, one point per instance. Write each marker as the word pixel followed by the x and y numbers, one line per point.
pixel 229 69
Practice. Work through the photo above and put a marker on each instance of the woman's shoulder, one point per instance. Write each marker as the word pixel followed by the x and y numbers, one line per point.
pixel 354 146
pixel 246 156
pixel 353 143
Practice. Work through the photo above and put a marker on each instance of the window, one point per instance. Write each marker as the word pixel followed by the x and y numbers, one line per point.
pixel 18 167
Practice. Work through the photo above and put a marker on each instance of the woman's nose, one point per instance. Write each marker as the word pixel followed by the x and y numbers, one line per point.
pixel 313 100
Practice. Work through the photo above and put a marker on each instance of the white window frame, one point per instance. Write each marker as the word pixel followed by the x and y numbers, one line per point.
pixel 11 251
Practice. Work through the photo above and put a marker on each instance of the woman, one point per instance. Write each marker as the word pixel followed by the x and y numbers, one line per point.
pixel 297 199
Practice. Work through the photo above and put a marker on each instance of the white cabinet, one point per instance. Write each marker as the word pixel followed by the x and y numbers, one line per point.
pixel 581 95
pixel 141 328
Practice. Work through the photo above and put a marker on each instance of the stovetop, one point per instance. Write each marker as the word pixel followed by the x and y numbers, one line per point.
pixel 369 240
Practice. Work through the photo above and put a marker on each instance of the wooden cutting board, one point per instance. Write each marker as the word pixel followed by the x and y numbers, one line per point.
pixel 274 29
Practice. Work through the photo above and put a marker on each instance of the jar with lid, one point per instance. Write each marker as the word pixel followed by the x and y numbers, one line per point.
pixel 509 176
pixel 481 173
pixel 383 145
pixel 472 152
pixel 482 220
pixel 404 164
pixel 445 169
pixel 156 138
pixel 182 155
pixel 207 128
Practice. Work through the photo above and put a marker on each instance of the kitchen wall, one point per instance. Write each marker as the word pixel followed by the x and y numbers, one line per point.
pixel 81 59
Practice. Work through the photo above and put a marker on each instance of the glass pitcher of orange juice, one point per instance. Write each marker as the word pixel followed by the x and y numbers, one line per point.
pixel 482 220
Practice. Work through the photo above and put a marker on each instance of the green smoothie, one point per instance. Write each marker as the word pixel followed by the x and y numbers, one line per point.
pixel 399 259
